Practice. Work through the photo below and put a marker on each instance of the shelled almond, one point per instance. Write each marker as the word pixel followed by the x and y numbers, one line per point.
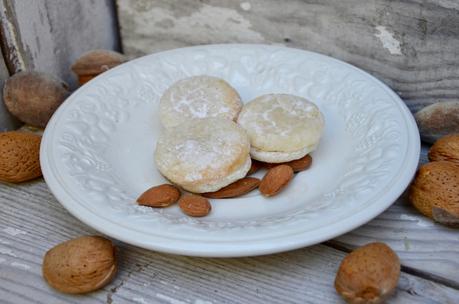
pixel 275 180
pixel 159 196
pixel 195 205
pixel 235 189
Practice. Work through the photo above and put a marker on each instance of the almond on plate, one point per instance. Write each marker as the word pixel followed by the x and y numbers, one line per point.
pixel 300 164
pixel 297 165
pixel 368 274
pixel 254 167
pixel 195 205
pixel 19 156
pixel 275 180
pixel 235 189
pixel 159 196
pixel 80 265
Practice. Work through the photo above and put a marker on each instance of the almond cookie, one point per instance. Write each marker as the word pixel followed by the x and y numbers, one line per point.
pixel 204 155
pixel 281 127
pixel 198 97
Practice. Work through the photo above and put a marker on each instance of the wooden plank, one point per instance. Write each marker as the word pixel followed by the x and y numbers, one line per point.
pixel 48 36
pixel 7 121
pixel 423 246
pixel 412 46
pixel 32 221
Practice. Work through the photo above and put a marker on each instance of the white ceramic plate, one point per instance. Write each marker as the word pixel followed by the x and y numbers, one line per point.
pixel 97 152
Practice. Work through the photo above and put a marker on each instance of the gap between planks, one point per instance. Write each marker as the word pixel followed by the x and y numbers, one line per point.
pixel 409 270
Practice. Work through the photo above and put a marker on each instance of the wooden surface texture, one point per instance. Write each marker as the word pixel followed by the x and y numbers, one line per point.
pixel 32 221
pixel 411 45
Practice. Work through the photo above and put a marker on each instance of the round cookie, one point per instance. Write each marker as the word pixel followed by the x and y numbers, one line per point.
pixel 198 97
pixel 204 155
pixel 281 127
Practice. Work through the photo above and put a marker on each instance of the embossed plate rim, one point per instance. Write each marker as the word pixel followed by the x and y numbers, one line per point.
pixel 228 248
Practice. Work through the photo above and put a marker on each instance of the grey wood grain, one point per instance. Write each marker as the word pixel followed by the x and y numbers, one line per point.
pixel 32 221
pixel 412 46
pixel 7 121
pixel 48 36
pixel 423 246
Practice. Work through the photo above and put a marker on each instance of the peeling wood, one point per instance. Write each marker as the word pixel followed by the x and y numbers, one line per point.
pixel 7 121
pixel 10 42
pixel 48 36
pixel 412 46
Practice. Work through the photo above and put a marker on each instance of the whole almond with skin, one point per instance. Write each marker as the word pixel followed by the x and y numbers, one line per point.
pixel 275 180
pixel 437 120
pixel 297 165
pixel 95 62
pixel 446 148
pixel 300 164
pixel 194 205
pixel 159 196
pixel 435 191
pixel 33 97
pixel 368 274
pixel 80 265
pixel 235 189
pixel 254 167
pixel 19 156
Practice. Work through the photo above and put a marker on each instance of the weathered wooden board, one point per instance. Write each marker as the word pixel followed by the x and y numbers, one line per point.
pixel 32 221
pixel 423 246
pixel 48 36
pixel 412 46
pixel 7 122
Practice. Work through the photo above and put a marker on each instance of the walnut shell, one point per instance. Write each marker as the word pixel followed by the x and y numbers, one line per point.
pixel 80 265
pixel 437 186
pixel 33 97
pixel 95 62
pixel 20 156
pixel 368 274
pixel 446 148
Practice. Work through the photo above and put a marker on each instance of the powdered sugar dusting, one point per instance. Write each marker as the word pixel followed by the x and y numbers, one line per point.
pixel 201 155
pixel 277 114
pixel 201 150
pixel 198 97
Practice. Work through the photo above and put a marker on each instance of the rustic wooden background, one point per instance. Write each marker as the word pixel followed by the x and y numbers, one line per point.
pixel 32 221
pixel 411 45
pixel 48 35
